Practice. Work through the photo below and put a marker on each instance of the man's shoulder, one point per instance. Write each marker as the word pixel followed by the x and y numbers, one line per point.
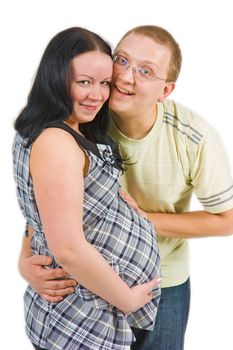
pixel 186 121
pixel 183 113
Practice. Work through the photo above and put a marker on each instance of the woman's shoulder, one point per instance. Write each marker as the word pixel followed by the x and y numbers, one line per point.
pixel 53 135
pixel 56 141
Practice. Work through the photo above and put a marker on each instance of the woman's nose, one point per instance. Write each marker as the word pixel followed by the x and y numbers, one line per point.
pixel 95 93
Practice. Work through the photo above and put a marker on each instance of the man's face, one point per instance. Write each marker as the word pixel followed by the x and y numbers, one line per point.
pixel 134 92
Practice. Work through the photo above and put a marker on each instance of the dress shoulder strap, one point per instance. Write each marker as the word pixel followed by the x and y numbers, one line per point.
pixel 81 140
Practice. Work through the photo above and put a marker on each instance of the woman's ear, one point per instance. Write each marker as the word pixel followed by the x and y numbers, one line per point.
pixel 167 90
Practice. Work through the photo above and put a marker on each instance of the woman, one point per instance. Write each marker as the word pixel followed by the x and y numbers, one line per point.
pixel 67 174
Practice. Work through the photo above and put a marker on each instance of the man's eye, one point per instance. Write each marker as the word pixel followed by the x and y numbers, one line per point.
pixel 120 60
pixel 146 71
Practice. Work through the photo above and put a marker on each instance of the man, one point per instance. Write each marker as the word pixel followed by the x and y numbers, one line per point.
pixel 172 153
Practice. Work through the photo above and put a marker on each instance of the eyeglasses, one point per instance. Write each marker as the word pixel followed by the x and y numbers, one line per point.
pixel 145 73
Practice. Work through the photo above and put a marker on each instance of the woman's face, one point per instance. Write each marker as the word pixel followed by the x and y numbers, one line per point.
pixel 132 92
pixel 90 85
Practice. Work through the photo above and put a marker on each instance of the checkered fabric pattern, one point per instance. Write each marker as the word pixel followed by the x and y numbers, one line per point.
pixel 126 240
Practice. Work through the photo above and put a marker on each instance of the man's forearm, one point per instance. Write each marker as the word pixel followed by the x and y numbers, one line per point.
pixel 192 224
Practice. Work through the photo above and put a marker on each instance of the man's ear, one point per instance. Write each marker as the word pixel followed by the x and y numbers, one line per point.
pixel 168 88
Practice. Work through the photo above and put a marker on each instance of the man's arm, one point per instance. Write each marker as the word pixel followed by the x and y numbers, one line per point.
pixel 187 225
pixel 192 224
pixel 42 280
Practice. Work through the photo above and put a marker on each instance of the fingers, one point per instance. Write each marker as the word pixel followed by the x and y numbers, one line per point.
pixel 127 198
pixel 52 284
pixel 52 274
pixel 122 192
pixel 60 284
pixel 51 299
pixel 56 295
pixel 124 195
pixel 58 292
pixel 153 284
pixel 55 288
pixel 41 260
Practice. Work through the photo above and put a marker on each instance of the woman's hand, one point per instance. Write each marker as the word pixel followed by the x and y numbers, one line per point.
pixel 141 295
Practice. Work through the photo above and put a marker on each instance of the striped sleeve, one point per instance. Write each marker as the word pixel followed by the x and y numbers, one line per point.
pixel 218 199
pixel 211 175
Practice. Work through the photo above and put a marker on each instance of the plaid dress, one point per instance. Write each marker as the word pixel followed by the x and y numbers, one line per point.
pixel 125 239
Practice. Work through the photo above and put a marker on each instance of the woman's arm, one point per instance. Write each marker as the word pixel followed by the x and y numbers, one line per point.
pixel 57 164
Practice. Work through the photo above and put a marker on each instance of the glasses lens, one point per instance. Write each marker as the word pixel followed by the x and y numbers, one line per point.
pixel 146 73
pixel 120 61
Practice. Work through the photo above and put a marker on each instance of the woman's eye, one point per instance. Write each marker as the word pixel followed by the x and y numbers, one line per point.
pixel 106 83
pixel 83 82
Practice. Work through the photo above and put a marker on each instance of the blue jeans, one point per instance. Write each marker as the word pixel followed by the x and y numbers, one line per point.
pixel 171 321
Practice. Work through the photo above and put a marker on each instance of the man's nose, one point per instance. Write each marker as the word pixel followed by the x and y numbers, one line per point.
pixel 128 74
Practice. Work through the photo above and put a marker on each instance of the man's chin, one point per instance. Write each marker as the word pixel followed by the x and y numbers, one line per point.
pixel 117 105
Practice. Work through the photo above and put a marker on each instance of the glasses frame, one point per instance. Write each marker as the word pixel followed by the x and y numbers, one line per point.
pixel 135 69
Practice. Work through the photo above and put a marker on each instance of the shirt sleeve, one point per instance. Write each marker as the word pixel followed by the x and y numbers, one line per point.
pixel 211 174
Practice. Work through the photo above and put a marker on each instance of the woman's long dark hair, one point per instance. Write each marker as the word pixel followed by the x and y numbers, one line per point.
pixel 50 99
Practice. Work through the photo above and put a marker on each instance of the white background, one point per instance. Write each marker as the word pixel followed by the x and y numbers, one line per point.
pixel 204 30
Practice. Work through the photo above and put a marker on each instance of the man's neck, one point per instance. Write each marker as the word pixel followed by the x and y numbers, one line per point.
pixel 135 127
